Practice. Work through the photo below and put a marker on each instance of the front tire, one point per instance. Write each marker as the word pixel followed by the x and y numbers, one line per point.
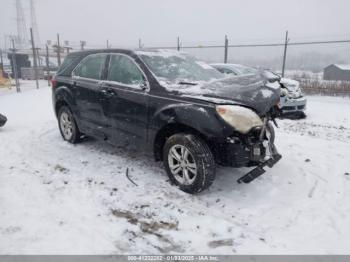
pixel 189 162
pixel 67 125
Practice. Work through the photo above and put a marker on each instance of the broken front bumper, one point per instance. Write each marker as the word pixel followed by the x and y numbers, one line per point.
pixel 259 170
pixel 271 160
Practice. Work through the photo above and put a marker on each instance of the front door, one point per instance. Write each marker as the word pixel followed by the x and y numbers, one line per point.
pixel 86 82
pixel 125 101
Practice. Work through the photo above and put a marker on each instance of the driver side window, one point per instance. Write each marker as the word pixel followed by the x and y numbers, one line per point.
pixel 123 70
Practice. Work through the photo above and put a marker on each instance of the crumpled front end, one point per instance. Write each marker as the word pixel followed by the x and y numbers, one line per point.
pixel 247 150
pixel 256 148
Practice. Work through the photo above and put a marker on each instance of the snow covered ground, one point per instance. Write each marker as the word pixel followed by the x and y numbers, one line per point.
pixel 58 198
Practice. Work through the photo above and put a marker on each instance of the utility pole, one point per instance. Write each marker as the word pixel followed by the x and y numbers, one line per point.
pixel 47 65
pixel 68 48
pixel 285 54
pixel 178 43
pixel 58 50
pixel 14 66
pixel 1 62
pixel 38 55
pixel 107 44
pixel 82 44
pixel 226 50
pixel 140 43
pixel 34 59
pixel 34 23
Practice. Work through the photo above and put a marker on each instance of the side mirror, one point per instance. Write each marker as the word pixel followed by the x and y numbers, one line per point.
pixel 144 85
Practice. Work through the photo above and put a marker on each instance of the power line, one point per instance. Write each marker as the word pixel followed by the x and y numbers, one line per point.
pixel 263 45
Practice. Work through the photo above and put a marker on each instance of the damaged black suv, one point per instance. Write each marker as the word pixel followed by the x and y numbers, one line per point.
pixel 170 104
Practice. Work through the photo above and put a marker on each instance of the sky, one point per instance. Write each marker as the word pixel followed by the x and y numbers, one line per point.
pixel 159 22
pixel 196 22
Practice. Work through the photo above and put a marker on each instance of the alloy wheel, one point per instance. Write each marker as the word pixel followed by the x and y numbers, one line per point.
pixel 66 124
pixel 182 164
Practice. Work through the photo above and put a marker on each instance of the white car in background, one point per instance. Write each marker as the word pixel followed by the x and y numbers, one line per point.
pixel 292 101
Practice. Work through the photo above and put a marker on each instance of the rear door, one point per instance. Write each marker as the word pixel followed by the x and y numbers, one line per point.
pixel 87 78
pixel 125 100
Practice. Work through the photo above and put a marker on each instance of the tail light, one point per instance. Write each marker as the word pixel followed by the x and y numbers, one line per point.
pixel 53 83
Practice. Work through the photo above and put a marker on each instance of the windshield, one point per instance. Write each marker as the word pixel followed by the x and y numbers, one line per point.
pixel 178 68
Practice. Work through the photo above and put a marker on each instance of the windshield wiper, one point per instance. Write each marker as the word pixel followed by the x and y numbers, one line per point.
pixel 187 83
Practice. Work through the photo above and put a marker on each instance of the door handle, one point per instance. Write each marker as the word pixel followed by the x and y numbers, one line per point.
pixel 108 92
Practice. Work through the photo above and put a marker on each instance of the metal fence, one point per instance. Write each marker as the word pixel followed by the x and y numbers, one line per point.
pixel 286 56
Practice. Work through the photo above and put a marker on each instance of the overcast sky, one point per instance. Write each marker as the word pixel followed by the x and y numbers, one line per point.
pixel 159 22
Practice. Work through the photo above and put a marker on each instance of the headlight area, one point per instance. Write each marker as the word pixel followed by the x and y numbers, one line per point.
pixel 240 118
pixel 245 146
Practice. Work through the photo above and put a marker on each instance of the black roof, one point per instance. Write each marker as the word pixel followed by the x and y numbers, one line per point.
pixel 116 50
pixel 95 51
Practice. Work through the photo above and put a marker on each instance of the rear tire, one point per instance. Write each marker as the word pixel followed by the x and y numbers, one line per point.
pixel 67 125
pixel 189 162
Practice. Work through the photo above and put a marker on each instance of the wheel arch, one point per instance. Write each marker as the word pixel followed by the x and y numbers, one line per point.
pixel 63 97
pixel 171 129
pixel 59 103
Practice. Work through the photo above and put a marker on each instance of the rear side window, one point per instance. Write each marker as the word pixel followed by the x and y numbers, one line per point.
pixel 124 70
pixel 91 67
pixel 69 63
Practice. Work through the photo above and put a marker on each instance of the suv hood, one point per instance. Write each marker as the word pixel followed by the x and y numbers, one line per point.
pixel 254 91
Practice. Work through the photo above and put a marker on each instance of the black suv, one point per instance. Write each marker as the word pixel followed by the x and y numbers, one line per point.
pixel 170 104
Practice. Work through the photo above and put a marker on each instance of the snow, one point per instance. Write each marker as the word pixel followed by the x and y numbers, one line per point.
pixel 266 93
pixel 343 67
pixel 274 85
pixel 166 53
pixel 58 198
pixel 204 65
pixel 289 81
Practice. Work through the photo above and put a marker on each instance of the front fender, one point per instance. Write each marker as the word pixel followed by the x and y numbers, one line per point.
pixel 202 118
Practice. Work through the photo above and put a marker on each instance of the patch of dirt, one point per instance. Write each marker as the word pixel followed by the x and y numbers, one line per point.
pixel 148 225
pixel 10 230
pixel 130 217
pixel 220 243
pixel 61 169
pixel 155 226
